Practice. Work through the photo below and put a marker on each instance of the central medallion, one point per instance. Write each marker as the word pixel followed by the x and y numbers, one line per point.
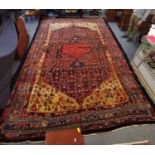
pixel 76 50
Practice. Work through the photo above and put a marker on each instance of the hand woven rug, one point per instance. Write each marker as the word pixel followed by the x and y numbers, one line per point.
pixel 75 75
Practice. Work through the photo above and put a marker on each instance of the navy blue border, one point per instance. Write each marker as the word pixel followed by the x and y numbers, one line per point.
pixel 93 130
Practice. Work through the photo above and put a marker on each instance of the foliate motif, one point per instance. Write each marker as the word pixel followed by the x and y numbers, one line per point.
pixel 75 75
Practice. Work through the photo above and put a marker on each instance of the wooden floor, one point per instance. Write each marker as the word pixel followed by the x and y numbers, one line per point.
pixel 64 137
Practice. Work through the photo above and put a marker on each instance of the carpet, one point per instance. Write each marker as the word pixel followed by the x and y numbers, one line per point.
pixel 75 75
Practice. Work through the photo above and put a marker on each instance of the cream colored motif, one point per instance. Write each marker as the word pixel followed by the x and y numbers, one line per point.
pixel 57 26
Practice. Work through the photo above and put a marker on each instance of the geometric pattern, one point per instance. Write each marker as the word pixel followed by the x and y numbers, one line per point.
pixel 75 75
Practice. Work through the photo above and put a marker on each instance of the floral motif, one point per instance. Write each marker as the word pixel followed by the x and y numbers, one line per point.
pixel 91 87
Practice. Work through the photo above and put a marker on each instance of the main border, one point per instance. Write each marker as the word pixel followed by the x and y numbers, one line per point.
pixel 16 75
